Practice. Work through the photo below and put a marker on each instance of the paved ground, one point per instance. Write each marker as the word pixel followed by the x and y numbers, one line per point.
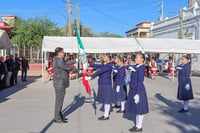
pixel 29 107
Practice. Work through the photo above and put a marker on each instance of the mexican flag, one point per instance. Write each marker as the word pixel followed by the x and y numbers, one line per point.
pixel 82 53
pixel 84 63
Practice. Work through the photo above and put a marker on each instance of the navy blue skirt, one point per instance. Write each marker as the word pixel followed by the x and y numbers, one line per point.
pixel 121 95
pixel 105 94
pixel 184 94
pixel 140 108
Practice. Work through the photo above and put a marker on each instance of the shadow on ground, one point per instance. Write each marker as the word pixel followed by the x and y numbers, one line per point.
pixel 181 121
pixel 6 92
pixel 73 106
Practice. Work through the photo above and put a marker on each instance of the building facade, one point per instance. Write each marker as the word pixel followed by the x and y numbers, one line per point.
pixel 9 19
pixel 7 23
pixel 141 30
pixel 170 28
pixel 192 2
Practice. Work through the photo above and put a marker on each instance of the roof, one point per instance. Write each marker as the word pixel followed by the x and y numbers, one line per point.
pixel 144 23
pixel 141 27
pixel 5 26
pixel 8 16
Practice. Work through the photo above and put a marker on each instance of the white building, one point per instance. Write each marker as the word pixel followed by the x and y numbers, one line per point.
pixel 170 28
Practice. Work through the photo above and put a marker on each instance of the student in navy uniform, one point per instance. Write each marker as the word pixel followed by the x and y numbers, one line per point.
pixel 137 102
pixel 104 95
pixel 184 83
pixel 120 91
pixel 114 73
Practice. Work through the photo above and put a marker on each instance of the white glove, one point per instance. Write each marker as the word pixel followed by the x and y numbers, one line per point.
pixel 179 68
pixel 88 78
pixel 131 68
pixel 76 60
pixel 187 87
pixel 118 89
pixel 2 76
pixel 136 98
pixel 115 71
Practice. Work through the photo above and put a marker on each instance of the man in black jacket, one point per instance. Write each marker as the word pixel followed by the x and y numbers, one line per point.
pixel 25 67
pixel 17 68
pixel 9 65
pixel 61 82
pixel 2 73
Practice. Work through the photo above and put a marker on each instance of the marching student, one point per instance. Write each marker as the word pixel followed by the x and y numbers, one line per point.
pixel 114 74
pixel 120 91
pixel 104 95
pixel 137 99
pixel 184 83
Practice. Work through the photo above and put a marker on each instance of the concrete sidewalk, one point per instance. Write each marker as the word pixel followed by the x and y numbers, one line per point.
pixel 29 108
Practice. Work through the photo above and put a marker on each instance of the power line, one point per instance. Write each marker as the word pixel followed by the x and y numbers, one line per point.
pixel 106 15
pixel 122 3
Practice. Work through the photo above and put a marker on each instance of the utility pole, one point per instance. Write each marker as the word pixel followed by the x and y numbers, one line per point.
pixel 181 23
pixel 161 10
pixel 69 18
pixel 77 19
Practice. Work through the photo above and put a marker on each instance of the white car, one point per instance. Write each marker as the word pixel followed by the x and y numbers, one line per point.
pixel 162 65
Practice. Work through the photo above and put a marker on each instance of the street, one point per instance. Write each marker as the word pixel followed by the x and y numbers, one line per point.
pixel 29 108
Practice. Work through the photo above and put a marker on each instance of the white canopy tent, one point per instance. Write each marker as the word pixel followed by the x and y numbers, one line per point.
pixel 160 45
pixel 174 46
pixel 91 44
pixel 120 45
pixel 4 40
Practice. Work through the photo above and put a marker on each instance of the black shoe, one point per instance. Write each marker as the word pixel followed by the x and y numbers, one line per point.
pixel 60 121
pixel 120 111
pixel 116 106
pixel 132 129
pixel 103 118
pixel 138 130
pixel 183 111
pixel 64 119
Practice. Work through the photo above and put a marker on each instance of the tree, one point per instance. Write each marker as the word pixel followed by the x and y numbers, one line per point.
pixel 85 31
pixel 27 33
pixel 107 34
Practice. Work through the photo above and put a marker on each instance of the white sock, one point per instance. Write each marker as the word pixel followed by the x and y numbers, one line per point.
pixel 140 120
pixel 186 105
pixel 122 105
pixel 106 110
pixel 137 120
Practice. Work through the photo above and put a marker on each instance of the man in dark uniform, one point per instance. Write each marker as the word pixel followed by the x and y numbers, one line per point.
pixel 17 68
pixel 9 65
pixel 2 73
pixel 25 67
pixel 61 82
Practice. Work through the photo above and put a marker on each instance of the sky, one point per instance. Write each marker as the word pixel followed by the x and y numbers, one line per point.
pixel 114 16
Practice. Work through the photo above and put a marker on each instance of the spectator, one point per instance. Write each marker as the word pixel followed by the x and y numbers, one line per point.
pixel 9 66
pixel 17 68
pixel 12 78
pixel 2 73
pixel 25 67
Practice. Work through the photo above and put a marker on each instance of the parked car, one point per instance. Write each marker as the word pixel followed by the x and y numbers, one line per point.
pixel 162 65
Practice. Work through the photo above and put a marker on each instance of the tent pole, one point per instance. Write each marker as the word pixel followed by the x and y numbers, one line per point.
pixel 42 66
pixel 45 62
pixel 173 66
